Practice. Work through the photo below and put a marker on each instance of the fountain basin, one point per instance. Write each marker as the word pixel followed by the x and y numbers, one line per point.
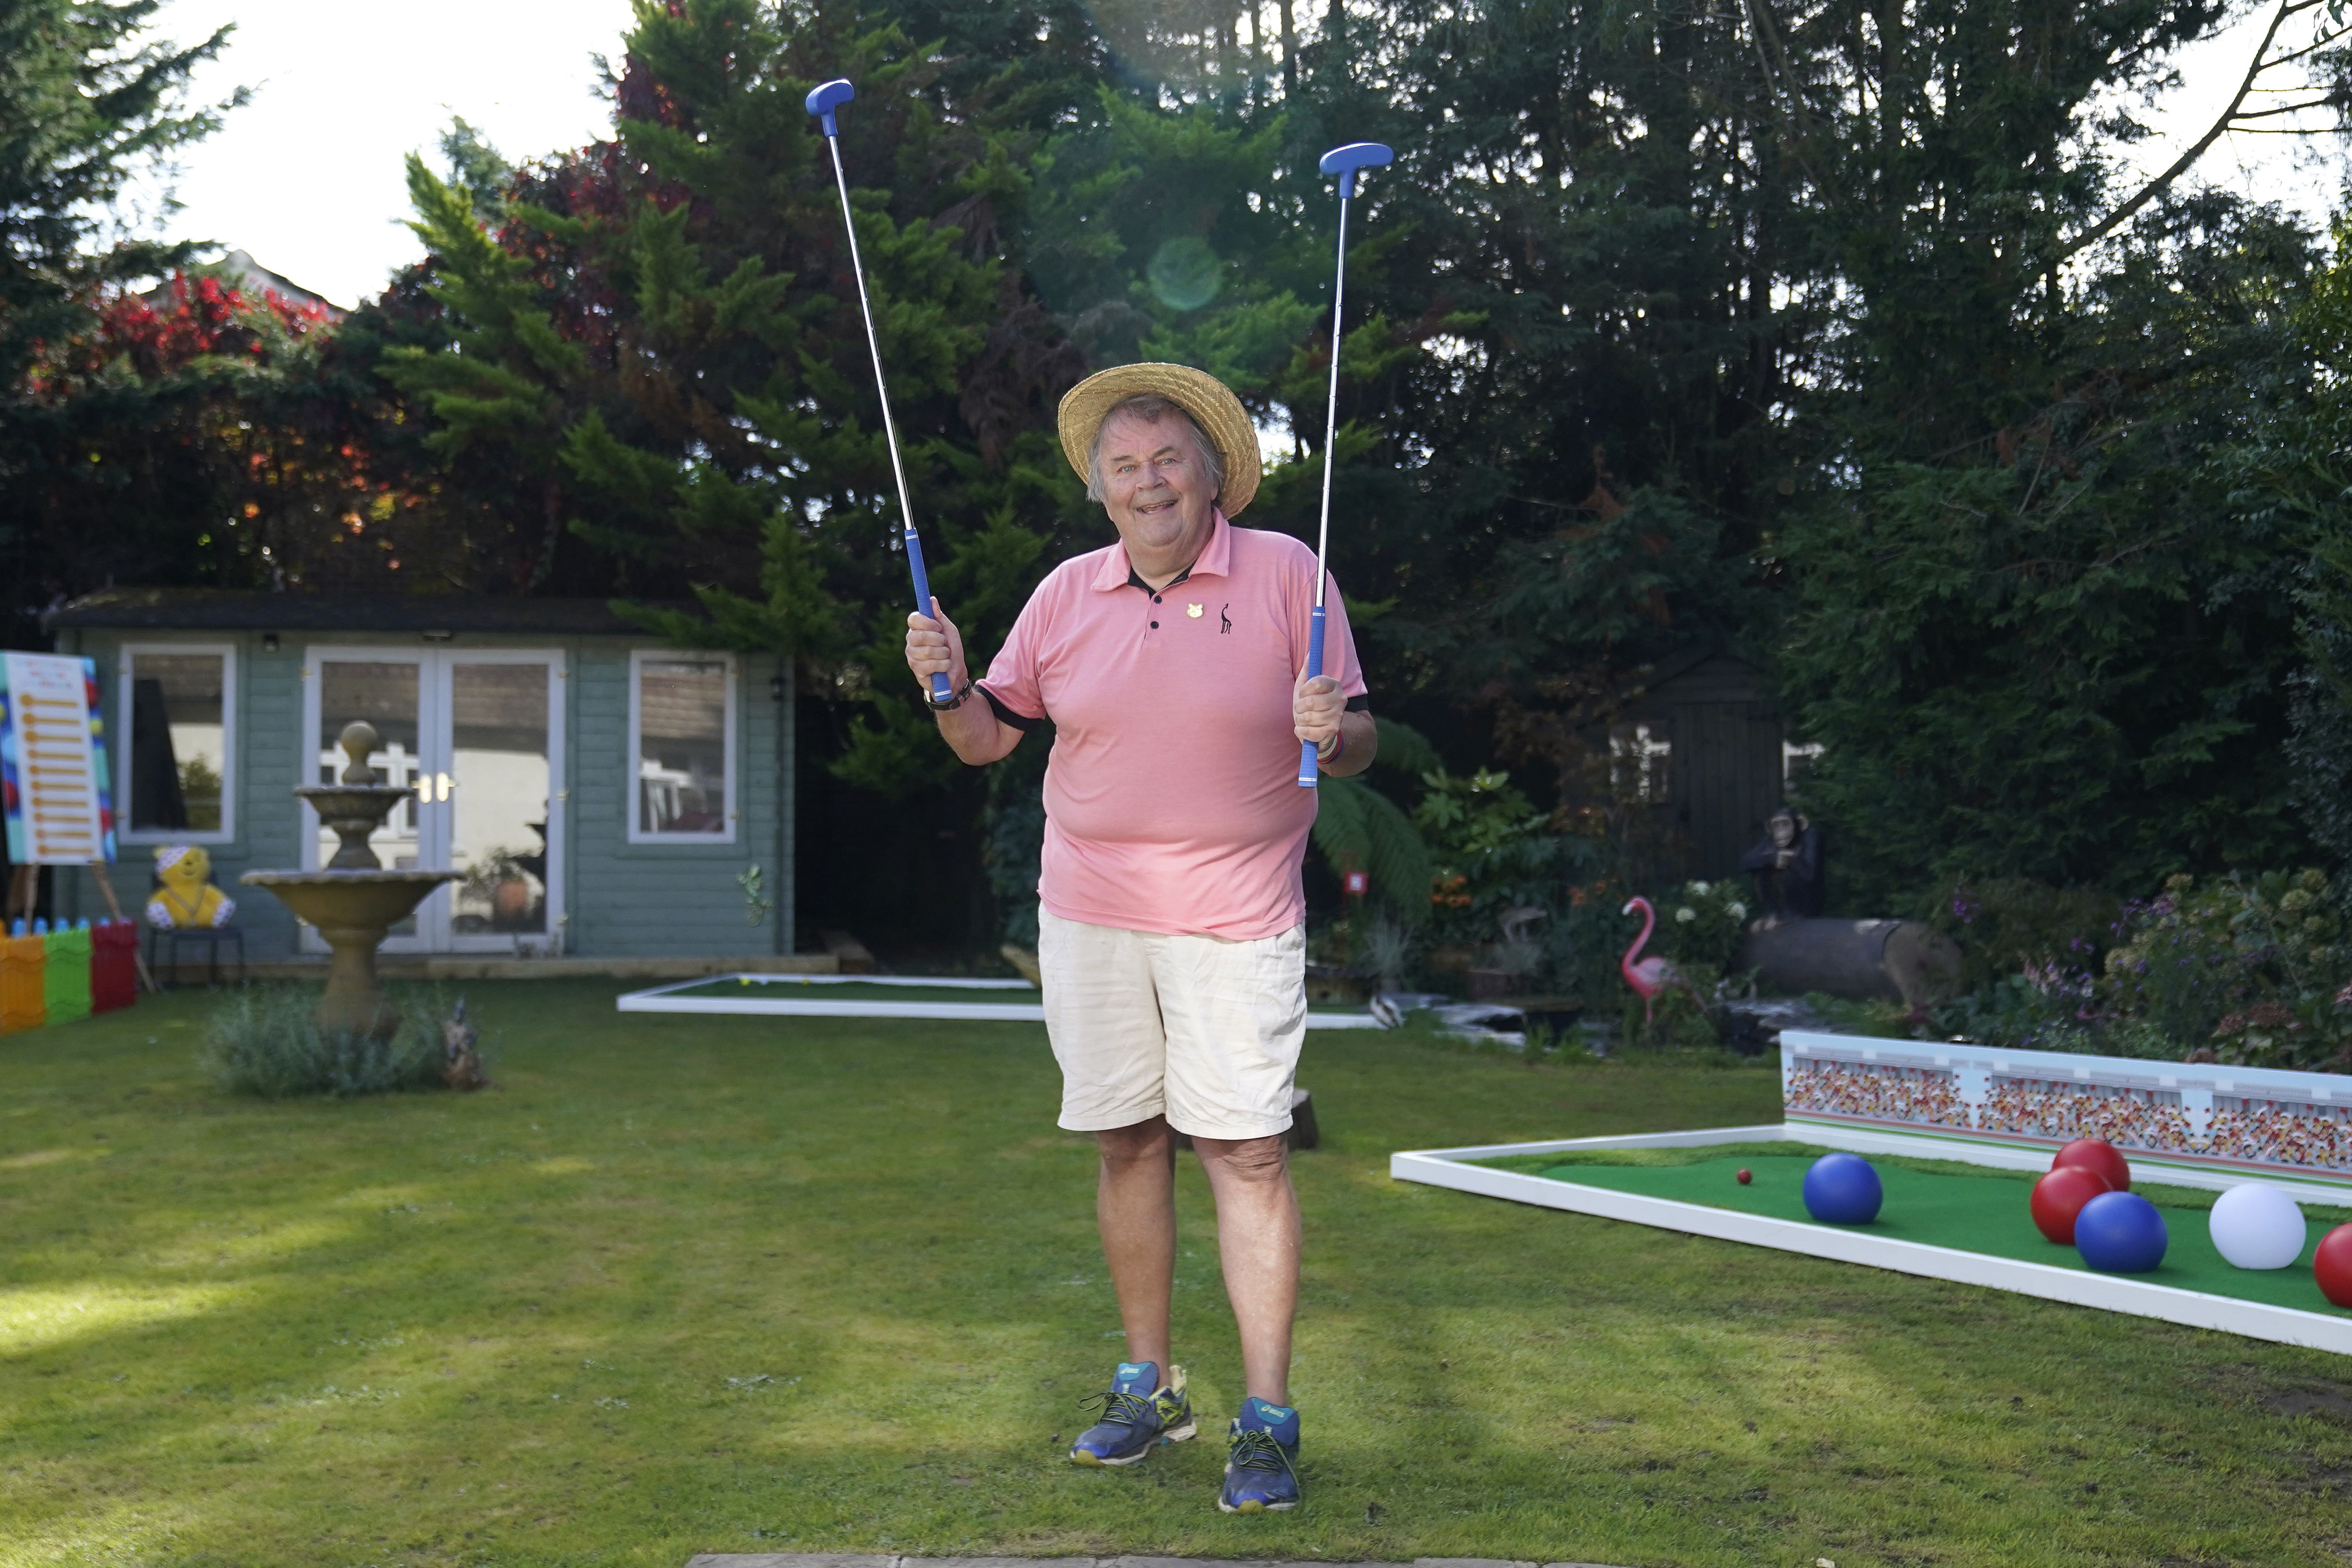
pixel 351 910
pixel 360 898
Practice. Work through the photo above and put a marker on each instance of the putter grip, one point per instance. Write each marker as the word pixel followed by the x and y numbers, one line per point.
pixel 940 692
pixel 1306 770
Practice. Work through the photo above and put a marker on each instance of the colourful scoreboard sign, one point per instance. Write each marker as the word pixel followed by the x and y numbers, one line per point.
pixel 53 780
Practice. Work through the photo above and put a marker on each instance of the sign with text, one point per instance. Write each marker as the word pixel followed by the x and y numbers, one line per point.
pixel 53 779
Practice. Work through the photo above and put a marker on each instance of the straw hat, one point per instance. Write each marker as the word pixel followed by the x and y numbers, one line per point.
pixel 1198 393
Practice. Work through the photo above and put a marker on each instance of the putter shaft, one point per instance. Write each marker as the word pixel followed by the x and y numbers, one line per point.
pixel 823 102
pixel 1343 161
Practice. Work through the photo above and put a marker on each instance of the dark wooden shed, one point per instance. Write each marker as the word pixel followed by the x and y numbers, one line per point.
pixel 1699 739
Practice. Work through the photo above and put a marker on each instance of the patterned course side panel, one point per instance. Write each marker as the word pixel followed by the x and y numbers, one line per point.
pixel 1929 1096
pixel 2285 1122
pixel 2276 1133
pixel 2060 1109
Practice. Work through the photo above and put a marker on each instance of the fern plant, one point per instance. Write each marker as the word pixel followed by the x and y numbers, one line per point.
pixel 1357 828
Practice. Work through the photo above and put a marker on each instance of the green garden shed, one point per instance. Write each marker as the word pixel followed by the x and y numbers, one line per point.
pixel 604 794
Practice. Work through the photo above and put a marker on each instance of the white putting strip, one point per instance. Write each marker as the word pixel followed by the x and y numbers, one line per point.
pixel 752 1002
pixel 2115 1293
pixel 794 982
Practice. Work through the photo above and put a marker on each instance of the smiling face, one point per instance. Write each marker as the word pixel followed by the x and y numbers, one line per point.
pixel 1156 486
pixel 189 871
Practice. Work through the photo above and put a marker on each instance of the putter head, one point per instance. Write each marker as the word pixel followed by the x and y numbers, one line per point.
pixel 822 100
pixel 1345 161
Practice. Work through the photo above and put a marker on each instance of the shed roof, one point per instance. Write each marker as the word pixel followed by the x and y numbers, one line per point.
pixel 207 609
pixel 1696 673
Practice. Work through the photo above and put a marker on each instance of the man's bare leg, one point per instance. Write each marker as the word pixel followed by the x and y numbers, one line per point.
pixel 1135 1205
pixel 1257 1242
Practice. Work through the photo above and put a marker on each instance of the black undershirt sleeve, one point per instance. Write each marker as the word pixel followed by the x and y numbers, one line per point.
pixel 1004 715
pixel 1361 704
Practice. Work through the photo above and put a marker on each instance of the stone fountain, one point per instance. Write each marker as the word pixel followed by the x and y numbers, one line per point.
pixel 353 901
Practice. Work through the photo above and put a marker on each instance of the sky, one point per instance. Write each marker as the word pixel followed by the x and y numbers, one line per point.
pixel 308 178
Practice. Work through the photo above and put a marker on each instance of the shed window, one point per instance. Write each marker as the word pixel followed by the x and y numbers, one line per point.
pixel 1641 761
pixel 180 705
pixel 682 739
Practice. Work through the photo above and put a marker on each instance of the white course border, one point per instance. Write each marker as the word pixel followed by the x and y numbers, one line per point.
pixel 668 999
pixel 2114 1293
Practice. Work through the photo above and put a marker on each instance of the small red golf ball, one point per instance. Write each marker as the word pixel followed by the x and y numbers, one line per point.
pixel 1746 1176
pixel 2331 1265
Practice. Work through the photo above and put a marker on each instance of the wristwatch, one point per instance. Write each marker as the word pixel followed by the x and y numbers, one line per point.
pixel 958 700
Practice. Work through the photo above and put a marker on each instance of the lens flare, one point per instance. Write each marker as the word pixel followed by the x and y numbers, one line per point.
pixel 1185 274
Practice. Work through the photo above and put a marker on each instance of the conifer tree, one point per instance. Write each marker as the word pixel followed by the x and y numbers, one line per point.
pixel 660 341
pixel 87 101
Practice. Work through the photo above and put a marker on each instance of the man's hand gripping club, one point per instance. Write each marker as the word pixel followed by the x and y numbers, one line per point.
pixel 934 646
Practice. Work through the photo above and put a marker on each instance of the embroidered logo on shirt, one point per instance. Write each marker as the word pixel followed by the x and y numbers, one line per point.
pixel 1225 621
pixel 1193 611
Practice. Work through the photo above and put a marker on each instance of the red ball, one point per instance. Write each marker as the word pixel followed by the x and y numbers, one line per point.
pixel 2331 1265
pixel 2059 1196
pixel 1746 1178
pixel 2098 1155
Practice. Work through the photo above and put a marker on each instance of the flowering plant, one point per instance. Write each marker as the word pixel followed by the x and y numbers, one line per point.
pixel 2252 969
pixel 1705 923
pixel 2005 926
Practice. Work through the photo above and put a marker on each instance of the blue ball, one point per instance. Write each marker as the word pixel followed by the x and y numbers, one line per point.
pixel 2120 1232
pixel 1842 1189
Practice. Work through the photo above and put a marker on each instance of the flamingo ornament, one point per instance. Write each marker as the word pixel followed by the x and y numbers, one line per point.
pixel 1651 975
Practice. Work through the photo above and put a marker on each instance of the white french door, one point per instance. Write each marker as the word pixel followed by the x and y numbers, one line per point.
pixel 476 735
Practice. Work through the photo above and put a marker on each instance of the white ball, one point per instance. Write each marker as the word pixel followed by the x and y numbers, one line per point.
pixel 2256 1227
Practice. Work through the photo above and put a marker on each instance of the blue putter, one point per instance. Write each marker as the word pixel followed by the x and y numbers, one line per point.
pixel 1343 161
pixel 1138 1415
pixel 822 101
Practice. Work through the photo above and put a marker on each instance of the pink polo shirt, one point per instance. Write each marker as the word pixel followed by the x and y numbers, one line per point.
pixel 1171 798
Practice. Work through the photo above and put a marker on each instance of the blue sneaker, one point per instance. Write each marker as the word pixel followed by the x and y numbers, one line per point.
pixel 1136 1416
pixel 1262 1467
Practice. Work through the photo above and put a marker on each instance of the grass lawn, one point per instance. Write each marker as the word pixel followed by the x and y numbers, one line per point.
pixel 686 1284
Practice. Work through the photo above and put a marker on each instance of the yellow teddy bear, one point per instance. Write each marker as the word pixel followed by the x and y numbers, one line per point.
pixel 187 900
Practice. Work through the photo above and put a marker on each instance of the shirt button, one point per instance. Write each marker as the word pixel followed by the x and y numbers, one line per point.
pixel 1155 626
pixel 1155 598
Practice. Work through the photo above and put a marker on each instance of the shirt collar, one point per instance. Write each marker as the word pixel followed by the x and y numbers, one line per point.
pixel 1217 559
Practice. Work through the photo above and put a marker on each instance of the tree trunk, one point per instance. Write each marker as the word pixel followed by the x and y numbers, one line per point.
pixel 1860 961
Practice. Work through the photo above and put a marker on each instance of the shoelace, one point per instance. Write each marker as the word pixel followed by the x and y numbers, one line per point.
pixel 1257 1449
pixel 1118 1405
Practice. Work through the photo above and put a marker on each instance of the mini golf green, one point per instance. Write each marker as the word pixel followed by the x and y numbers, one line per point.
pixel 1975 1213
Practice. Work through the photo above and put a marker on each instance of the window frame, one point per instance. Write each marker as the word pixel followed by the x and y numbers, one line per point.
pixel 1641 762
pixel 126 807
pixel 635 833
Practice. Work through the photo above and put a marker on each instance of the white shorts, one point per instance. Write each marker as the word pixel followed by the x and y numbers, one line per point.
pixel 1202 1030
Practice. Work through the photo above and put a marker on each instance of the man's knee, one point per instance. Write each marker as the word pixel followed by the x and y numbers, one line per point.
pixel 1247 1159
pixel 1141 1144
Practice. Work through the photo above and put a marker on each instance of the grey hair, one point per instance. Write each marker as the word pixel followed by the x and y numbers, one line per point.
pixel 1150 407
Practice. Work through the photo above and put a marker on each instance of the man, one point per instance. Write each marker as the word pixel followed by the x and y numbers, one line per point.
pixel 1788 867
pixel 1172 929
